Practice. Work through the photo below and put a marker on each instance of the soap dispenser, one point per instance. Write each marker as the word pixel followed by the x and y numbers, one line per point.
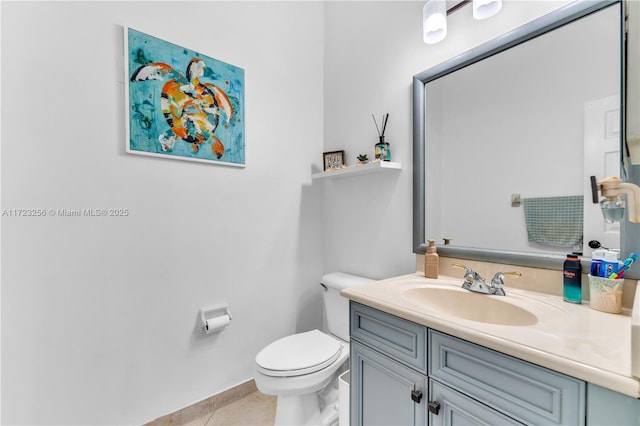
pixel 431 261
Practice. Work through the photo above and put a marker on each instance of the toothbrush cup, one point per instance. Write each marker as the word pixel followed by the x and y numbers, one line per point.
pixel 605 294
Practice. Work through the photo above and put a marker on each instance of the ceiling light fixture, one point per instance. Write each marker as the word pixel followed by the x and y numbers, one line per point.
pixel 483 9
pixel 434 21
pixel 434 16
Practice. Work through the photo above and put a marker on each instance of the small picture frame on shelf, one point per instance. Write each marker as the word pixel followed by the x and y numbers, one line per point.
pixel 333 160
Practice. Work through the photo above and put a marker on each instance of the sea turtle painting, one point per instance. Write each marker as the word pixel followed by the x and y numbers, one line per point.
pixel 192 109
pixel 180 114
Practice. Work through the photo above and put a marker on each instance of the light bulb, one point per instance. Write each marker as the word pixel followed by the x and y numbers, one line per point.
pixel 434 21
pixel 483 9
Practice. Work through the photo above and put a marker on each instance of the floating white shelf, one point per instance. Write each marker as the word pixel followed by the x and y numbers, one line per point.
pixel 373 167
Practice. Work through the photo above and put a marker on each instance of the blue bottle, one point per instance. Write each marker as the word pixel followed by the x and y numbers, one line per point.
pixel 609 265
pixel 572 273
pixel 596 261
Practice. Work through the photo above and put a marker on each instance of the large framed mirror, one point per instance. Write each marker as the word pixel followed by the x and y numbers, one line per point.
pixel 522 121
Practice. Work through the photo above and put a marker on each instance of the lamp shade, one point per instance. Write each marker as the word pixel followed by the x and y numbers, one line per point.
pixel 483 9
pixel 434 21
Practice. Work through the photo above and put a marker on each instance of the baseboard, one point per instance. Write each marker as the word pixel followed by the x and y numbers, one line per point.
pixel 206 406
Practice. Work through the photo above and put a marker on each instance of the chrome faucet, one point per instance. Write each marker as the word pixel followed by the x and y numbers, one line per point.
pixel 474 282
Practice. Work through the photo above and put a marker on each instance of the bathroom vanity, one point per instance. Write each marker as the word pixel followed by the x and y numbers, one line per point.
pixel 414 364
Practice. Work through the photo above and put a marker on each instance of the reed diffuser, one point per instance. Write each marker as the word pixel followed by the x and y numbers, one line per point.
pixel 382 150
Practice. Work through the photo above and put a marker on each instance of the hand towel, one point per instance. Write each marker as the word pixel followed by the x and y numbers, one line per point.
pixel 554 221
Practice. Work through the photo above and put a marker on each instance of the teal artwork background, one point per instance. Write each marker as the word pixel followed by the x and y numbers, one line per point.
pixel 146 119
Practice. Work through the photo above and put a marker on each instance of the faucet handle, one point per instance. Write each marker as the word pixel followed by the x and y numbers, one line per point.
pixel 499 277
pixel 469 275
pixel 472 280
pixel 497 283
pixel 467 269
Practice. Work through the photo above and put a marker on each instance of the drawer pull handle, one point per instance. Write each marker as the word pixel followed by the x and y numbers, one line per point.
pixel 416 396
pixel 434 407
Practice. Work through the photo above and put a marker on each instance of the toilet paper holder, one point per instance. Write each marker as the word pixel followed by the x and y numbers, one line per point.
pixel 215 318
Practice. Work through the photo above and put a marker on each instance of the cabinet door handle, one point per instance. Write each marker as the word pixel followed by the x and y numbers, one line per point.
pixel 434 407
pixel 416 396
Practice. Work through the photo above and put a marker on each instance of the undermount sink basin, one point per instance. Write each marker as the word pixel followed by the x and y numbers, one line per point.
pixel 471 306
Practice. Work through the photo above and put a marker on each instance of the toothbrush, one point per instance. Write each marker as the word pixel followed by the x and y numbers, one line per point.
pixel 627 264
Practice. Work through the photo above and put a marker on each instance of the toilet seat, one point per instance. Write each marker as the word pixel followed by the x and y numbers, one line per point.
pixel 298 354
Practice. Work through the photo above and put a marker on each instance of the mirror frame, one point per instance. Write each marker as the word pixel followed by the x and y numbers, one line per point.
pixel 528 31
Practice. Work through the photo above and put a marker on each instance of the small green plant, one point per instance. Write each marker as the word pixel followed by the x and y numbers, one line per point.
pixel 363 157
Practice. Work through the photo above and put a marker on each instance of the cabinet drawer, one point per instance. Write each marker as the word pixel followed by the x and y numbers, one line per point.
pixel 401 339
pixel 524 391
pixel 455 409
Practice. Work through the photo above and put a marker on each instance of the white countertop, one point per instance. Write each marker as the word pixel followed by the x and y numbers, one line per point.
pixel 572 339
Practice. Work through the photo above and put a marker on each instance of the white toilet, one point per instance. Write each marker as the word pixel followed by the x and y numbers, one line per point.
pixel 302 369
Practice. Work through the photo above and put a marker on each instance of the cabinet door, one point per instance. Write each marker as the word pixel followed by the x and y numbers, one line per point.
pixel 608 408
pixel 383 390
pixel 451 408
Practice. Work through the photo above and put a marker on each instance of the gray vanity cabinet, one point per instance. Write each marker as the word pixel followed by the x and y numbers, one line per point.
pixel 526 392
pixel 608 408
pixel 388 378
pixel 405 374
pixel 454 408
pixel 385 390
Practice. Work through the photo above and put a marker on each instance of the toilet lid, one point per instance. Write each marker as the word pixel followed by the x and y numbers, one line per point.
pixel 298 354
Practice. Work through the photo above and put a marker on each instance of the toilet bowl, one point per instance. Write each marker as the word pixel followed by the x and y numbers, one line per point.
pixel 302 369
pixel 308 364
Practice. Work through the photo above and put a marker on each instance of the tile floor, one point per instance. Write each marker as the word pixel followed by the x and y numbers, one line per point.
pixel 255 409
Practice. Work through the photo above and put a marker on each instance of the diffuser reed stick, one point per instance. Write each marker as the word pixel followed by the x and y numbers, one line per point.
pixel 385 119
pixel 384 125
pixel 376 123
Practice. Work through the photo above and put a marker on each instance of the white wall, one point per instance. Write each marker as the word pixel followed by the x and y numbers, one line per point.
pixel 373 49
pixel 368 68
pixel 99 315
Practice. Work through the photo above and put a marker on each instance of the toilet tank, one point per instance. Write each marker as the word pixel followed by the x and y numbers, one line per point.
pixel 336 307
